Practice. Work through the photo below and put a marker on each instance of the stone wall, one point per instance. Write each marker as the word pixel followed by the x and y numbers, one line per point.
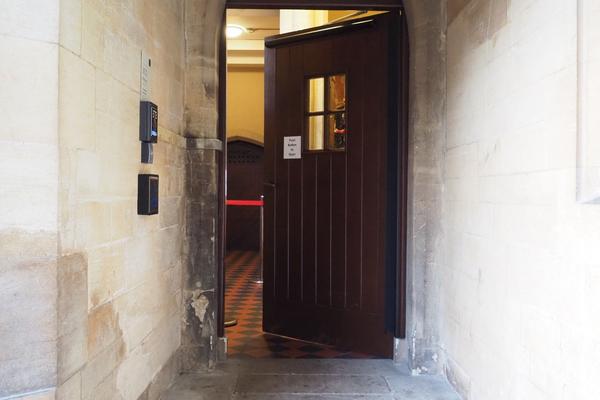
pixel 427 124
pixel 119 274
pixel 201 298
pixel 521 276
pixel 28 196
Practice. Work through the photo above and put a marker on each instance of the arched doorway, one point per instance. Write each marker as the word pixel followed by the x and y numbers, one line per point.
pixel 401 146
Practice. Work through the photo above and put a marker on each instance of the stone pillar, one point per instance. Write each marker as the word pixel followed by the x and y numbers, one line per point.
pixel 200 284
pixel 427 129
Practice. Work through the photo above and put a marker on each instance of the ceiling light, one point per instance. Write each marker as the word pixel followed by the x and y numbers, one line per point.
pixel 233 31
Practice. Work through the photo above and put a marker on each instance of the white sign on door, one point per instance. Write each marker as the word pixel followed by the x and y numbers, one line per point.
pixel 292 147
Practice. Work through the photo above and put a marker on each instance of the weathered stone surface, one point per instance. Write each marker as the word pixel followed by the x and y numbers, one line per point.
pixel 203 27
pixel 106 274
pixel 71 389
pixel 163 380
pixel 131 300
pixel 516 246
pixel 72 315
pixel 199 341
pixel 77 102
pixel 47 394
pixel 28 317
pixel 31 67
pixel 101 367
pixel 427 124
pixel 38 21
pixel 297 384
pixel 103 328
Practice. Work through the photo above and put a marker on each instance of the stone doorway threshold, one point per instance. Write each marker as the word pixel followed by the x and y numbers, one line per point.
pixel 309 379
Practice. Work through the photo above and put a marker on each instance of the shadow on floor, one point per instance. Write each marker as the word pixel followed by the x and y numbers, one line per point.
pixel 293 379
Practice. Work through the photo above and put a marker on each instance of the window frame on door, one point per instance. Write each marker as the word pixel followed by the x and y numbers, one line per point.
pixel 325 113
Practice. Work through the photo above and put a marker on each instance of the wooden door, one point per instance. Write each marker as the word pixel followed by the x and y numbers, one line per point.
pixel 244 182
pixel 330 259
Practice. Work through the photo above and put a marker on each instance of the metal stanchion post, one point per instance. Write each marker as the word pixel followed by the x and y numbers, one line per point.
pixel 262 238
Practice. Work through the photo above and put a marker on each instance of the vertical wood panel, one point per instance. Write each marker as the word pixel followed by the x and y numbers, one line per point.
pixel 338 229
pixel 356 128
pixel 323 230
pixel 269 191
pixel 294 128
pixel 284 82
pixel 345 60
pixel 309 228
pixel 375 112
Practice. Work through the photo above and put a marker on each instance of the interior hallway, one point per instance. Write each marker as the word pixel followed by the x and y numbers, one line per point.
pixel 243 301
pixel 309 380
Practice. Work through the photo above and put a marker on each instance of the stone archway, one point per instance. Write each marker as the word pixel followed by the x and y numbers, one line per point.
pixel 427 20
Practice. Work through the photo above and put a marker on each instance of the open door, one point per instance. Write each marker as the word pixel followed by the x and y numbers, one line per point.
pixel 331 184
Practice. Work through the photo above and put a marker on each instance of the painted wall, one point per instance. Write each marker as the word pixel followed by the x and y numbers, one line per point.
pixel 521 273
pixel 246 103
pixel 119 301
pixel 29 34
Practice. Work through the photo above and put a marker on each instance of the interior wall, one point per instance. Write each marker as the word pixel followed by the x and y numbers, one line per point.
pixel 28 196
pixel 119 275
pixel 246 103
pixel 521 278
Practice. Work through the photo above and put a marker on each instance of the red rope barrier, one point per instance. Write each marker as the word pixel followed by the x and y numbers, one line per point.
pixel 245 203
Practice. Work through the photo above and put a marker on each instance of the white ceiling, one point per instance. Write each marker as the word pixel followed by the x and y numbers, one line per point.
pixel 247 50
pixel 266 22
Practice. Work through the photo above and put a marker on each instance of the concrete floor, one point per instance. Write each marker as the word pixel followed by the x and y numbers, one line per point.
pixel 307 379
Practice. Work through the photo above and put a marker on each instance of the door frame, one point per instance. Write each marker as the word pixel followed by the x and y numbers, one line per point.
pixel 400 120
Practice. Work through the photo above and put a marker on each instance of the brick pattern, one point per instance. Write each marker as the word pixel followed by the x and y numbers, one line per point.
pixel 243 301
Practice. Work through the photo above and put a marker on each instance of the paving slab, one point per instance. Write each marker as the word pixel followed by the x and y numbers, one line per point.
pixel 313 384
pixel 421 387
pixel 285 379
pixel 314 366
pixel 313 397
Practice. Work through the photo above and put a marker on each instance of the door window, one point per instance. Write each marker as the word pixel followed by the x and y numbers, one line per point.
pixel 326 126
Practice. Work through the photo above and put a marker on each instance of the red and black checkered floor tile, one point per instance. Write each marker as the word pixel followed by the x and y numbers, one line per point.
pixel 243 301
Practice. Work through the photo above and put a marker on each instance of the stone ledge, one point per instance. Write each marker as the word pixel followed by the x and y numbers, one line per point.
pixel 204 144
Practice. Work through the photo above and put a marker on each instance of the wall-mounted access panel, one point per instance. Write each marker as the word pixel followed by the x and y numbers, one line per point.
pixel 147 194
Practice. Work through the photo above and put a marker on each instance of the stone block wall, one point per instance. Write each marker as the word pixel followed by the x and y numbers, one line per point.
pixel 427 124
pixel 28 196
pixel 521 276
pixel 119 274
pixel 203 22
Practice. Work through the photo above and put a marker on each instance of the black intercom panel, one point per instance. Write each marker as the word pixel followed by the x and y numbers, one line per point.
pixel 147 194
pixel 148 122
pixel 147 153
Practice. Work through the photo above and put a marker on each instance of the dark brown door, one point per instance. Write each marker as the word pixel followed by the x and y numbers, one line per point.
pixel 329 260
pixel 244 182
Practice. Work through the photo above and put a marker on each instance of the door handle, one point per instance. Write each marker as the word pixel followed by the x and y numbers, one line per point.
pixel 270 184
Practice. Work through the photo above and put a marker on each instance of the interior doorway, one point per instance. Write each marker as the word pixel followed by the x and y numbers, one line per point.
pixel 244 298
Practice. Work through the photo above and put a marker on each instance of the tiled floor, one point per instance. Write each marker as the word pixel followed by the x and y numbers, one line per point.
pixel 282 379
pixel 243 301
